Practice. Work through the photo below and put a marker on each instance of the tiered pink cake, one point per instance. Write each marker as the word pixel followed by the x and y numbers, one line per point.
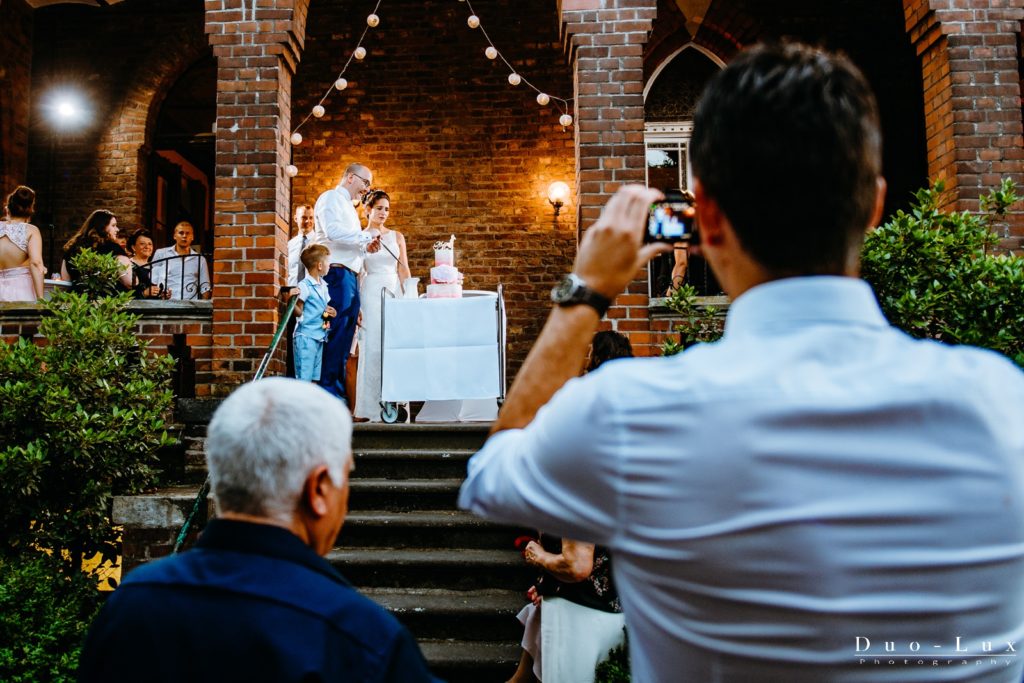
pixel 445 278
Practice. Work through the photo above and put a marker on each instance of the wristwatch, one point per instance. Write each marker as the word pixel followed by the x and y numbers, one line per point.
pixel 572 290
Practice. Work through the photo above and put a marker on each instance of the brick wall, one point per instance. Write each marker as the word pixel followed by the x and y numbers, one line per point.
pixel 160 324
pixel 122 68
pixel 257 48
pixel 15 76
pixel 458 149
pixel 970 53
pixel 606 40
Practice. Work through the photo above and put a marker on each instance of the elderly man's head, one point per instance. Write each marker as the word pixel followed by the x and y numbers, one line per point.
pixel 279 451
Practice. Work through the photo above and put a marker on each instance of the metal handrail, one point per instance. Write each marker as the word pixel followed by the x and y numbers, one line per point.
pixel 204 490
pixel 191 288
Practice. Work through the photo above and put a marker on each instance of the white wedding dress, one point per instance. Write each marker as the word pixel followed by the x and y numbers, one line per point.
pixel 380 270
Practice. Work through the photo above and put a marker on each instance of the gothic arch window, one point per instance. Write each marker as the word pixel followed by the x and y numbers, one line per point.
pixel 670 99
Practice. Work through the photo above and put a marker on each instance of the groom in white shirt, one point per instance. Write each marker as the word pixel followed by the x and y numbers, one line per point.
pixel 338 228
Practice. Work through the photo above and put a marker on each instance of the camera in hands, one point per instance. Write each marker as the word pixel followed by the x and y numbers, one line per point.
pixel 673 219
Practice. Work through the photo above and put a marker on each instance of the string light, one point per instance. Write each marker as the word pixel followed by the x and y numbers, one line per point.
pixel 514 78
pixel 359 54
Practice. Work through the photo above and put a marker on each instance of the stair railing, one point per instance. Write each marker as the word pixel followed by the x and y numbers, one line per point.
pixel 204 490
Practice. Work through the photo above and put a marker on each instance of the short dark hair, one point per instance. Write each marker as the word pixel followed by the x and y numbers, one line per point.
pixel 134 237
pixel 22 202
pixel 608 345
pixel 789 122
pixel 373 196
pixel 313 254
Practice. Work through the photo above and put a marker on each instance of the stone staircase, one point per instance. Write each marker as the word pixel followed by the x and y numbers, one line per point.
pixel 453 579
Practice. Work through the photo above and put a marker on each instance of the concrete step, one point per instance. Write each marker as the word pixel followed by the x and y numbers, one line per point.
pixel 458 661
pixel 430 613
pixel 424 529
pixel 403 494
pixel 440 436
pixel 453 569
pixel 398 463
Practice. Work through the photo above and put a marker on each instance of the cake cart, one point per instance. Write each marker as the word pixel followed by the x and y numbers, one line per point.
pixel 441 349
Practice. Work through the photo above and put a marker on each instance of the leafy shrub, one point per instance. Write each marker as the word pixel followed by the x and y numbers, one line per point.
pixel 699 323
pixel 44 616
pixel 98 274
pixel 81 419
pixel 936 273
pixel 615 669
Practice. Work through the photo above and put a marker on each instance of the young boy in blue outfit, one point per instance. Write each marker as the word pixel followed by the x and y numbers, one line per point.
pixel 313 313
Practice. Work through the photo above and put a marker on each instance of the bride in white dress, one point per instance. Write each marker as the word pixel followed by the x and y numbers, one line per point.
pixel 380 270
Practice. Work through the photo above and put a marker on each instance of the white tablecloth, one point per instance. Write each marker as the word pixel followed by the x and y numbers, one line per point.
pixel 442 349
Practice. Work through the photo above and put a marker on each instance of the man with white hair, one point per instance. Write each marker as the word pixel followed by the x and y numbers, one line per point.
pixel 255 600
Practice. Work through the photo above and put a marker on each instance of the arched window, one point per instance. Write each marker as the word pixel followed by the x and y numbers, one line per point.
pixel 670 100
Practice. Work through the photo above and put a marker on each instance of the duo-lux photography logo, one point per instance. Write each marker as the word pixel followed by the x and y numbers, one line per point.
pixel 959 651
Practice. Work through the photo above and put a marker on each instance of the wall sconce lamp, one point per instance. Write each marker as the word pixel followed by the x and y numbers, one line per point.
pixel 558 195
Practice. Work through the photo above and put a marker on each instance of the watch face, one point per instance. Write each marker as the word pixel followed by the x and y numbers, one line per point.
pixel 563 290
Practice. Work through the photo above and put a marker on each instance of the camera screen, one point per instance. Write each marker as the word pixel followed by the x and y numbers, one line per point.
pixel 670 222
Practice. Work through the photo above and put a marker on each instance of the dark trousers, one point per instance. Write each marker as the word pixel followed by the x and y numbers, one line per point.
pixel 343 288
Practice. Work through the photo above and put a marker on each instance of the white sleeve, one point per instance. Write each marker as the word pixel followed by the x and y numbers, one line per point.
pixel 560 474
pixel 158 271
pixel 339 223
pixel 293 263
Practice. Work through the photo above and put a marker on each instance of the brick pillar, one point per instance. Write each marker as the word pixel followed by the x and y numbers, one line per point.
pixel 257 46
pixel 970 58
pixel 606 42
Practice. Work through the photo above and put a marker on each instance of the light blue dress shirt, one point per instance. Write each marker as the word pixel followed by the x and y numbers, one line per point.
pixel 785 502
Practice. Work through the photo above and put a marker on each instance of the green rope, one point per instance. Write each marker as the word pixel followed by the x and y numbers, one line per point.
pixel 204 490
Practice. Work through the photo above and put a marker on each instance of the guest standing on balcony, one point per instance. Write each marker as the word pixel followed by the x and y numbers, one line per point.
pixel 180 269
pixel 338 227
pixel 98 233
pixel 140 250
pixel 21 249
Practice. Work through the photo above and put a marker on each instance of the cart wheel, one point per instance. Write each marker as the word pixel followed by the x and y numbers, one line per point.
pixel 403 414
pixel 389 412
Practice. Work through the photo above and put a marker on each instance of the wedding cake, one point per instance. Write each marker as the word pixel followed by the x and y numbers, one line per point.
pixel 445 278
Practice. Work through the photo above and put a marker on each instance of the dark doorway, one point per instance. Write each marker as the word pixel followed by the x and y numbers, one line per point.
pixel 181 168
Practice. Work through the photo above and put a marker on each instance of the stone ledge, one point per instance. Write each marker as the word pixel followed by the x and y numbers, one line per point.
pixel 164 509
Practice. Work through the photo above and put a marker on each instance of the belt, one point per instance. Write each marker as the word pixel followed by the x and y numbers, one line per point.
pixel 339 265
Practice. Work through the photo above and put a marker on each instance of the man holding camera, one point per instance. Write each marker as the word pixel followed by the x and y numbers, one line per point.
pixel 785 503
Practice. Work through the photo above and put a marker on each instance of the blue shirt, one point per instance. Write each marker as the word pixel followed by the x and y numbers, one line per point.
pixel 813 478
pixel 250 603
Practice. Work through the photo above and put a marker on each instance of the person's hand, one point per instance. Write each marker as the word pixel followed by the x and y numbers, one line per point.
pixel 374 246
pixel 329 312
pixel 292 292
pixel 612 250
pixel 533 596
pixel 531 553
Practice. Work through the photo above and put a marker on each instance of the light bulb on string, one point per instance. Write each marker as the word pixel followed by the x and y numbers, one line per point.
pixel 543 99
pixel 565 120
pixel 372 21
pixel 491 52
pixel 296 138
pixel 291 170
pixel 340 84
pixel 319 111
pixel 514 78
pixel 360 53
pixel 473 21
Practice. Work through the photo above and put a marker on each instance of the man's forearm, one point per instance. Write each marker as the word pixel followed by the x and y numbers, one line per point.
pixel 556 358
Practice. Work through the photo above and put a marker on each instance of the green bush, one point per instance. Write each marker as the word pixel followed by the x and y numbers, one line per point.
pixel 937 273
pixel 98 274
pixel 81 419
pixel 615 669
pixel 699 323
pixel 44 616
